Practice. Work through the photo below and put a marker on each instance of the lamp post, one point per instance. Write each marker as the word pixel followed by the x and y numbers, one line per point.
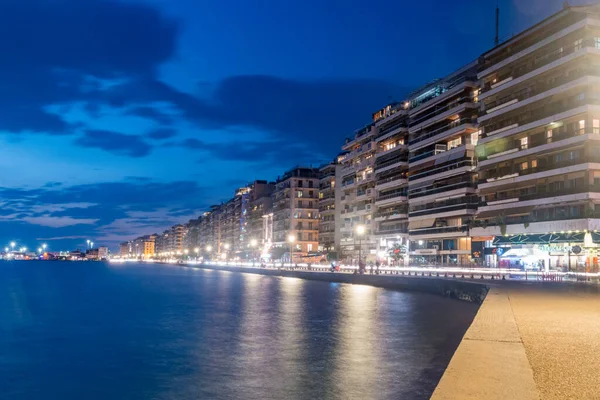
pixel 360 231
pixel 291 239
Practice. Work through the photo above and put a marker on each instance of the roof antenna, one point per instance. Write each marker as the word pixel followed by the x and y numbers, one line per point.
pixel 497 39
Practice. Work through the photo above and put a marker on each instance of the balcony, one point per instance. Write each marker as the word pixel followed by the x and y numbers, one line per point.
pixel 392 129
pixel 465 163
pixel 396 213
pixel 390 198
pixel 444 230
pixel 466 203
pixel 392 181
pixel 444 89
pixel 399 147
pixel 544 192
pixel 395 229
pixel 442 112
pixel 443 131
pixel 422 192
pixel 381 166
pixel 531 64
pixel 514 170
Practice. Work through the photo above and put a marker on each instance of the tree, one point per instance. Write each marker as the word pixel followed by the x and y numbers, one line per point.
pixel 398 252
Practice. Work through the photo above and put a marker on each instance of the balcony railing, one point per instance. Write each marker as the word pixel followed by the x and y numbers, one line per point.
pixel 447 86
pixel 451 165
pixel 438 110
pixel 391 213
pixel 383 181
pixel 514 169
pixel 428 192
pixel 542 112
pixel 527 65
pixel 544 191
pixel 386 196
pixel 397 125
pixel 388 163
pixel 440 230
pixel 418 136
pixel 539 87
pixel 463 203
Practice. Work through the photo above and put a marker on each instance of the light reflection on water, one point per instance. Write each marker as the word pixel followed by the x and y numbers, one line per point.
pixel 70 331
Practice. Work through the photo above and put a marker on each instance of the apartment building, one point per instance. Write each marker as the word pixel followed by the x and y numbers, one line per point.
pixel 296 210
pixel 327 232
pixel 125 249
pixel 442 179
pixel 260 206
pixel 539 152
pixel 357 184
pixel 390 217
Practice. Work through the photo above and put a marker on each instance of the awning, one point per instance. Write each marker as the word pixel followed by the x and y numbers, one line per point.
pixel 458 154
pixel 422 223
pixel 442 159
pixel 509 212
pixel 421 167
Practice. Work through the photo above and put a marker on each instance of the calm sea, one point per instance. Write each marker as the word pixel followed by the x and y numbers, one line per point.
pixel 73 330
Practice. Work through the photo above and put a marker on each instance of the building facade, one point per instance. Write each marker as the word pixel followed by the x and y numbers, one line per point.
pixel 327 232
pixel 539 152
pixel 442 188
pixel 296 210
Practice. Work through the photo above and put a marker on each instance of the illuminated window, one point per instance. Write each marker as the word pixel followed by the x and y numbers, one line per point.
pixel 578 44
pixel 390 146
pixel 454 143
pixel 309 215
pixel 596 126
pixel 523 166
pixel 524 141
pixel 299 193
pixel 582 127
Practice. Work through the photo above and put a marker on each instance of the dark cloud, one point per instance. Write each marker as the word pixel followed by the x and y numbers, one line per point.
pixel 115 143
pixel 59 49
pixel 160 134
pixel 152 113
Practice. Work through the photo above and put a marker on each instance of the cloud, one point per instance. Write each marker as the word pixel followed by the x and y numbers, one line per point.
pixel 115 143
pixel 74 46
pixel 160 134
pixel 152 113
pixel 61 238
pixel 57 222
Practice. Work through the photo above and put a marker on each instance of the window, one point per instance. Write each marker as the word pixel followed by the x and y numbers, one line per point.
pixel 597 42
pixel 310 225
pixel 580 96
pixel 549 135
pixel 596 126
pixel 578 44
pixel 310 194
pixel 582 127
pixel 523 166
pixel 310 204
pixel 320 195
pixel 533 163
pixel 309 215
pixel 310 184
pixel 299 203
pixel 299 193
pixel 309 245
pixel 523 143
pixel 299 183
pixel 573 155
pixel 454 143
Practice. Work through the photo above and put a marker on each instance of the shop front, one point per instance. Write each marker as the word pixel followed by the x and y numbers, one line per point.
pixel 576 252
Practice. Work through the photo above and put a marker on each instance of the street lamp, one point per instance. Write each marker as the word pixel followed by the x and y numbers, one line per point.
pixel 6 249
pixel 291 239
pixel 186 251
pixel 12 245
pixel 44 246
pixel 360 231
pixel 39 250
pixel 196 250
pixel 88 243
pixel 91 245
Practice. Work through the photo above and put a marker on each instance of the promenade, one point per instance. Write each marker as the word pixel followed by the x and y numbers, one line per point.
pixel 529 341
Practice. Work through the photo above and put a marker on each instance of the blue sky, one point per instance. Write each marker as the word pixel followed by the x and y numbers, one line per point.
pixel 121 118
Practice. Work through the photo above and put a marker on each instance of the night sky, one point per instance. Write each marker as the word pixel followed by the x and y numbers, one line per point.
pixel 121 118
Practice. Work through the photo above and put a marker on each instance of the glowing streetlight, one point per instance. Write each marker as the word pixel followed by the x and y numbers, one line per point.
pixel 360 231
pixel 44 246
pixel 209 248
pixel 12 245
pixel 253 244
pixel 39 250
pixel 88 243
pixel 226 245
pixel 6 249
pixel 186 251
pixel 292 240
pixel 91 245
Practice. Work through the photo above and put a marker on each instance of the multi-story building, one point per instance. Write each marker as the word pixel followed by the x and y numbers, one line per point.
pixel 442 179
pixel 296 210
pixel 125 249
pixel 327 231
pixel 390 217
pixel 260 206
pixel 356 181
pixel 539 152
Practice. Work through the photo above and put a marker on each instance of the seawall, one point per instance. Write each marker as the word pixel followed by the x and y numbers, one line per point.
pixel 466 291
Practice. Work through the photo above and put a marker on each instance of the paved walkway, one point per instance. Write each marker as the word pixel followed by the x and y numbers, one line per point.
pixel 529 342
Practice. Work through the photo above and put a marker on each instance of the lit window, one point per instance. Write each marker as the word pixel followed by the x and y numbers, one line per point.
pixel 533 163
pixel 524 142
pixel 578 44
pixel 454 143
pixel 523 166
pixel 582 127
pixel 299 193
pixel 596 126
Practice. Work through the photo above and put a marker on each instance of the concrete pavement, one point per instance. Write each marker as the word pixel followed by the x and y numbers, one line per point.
pixel 529 342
